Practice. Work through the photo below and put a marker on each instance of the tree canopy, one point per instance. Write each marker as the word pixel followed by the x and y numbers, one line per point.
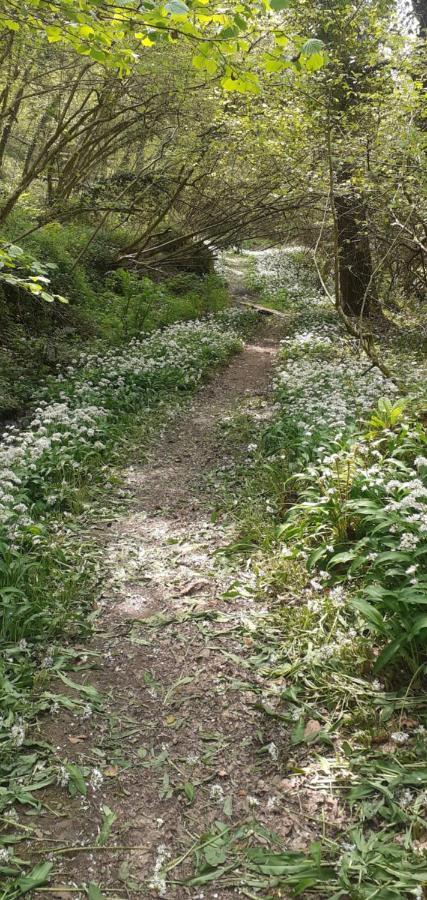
pixel 204 123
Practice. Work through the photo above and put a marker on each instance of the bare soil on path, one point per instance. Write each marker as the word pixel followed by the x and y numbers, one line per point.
pixel 176 745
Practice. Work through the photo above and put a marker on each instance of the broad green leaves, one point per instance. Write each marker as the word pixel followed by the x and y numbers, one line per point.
pixel 313 55
pixel 246 83
pixel 176 8
pixel 38 876
pixel 114 35
pixel 22 271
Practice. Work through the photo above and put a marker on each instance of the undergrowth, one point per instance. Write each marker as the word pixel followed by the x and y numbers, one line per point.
pixel 332 516
pixel 105 305
pixel 54 470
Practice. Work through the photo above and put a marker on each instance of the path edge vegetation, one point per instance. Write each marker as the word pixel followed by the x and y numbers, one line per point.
pixel 338 661
pixel 50 576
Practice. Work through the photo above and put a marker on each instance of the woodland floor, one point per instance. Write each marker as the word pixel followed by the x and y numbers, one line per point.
pixel 177 740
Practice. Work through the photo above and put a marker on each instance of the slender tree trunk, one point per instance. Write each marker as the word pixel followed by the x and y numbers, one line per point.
pixel 9 125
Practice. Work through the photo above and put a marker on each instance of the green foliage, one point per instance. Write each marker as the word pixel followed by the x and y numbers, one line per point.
pixel 104 304
pixel 22 271
pixel 327 494
pixel 112 36
pixel 132 305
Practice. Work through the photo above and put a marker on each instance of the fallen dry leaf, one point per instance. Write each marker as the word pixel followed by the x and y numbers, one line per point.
pixel 312 728
pixel 194 587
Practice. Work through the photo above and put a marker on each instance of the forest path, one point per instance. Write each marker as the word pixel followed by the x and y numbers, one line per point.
pixel 176 744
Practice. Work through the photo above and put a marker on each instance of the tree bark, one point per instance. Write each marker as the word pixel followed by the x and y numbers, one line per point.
pixel 355 260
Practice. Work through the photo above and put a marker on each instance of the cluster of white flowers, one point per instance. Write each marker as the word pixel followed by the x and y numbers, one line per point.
pixel 96 779
pixel 328 390
pixel 70 423
pixel 17 733
pixel 286 270
pixel 158 879
pixel 327 394
pixel 400 737
pixel 63 776
pixel 217 792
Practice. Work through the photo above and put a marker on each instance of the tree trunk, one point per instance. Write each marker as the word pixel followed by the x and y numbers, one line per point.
pixel 355 261
pixel 420 10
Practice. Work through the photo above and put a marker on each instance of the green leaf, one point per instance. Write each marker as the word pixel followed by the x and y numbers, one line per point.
pixel 419 625
pixel 14 250
pixel 368 612
pixel 94 892
pixel 53 33
pixel 109 817
pixel 276 65
pixel 189 791
pixel 228 806
pixel 343 557
pixel 389 652
pixel 215 855
pixel 177 7
pixel 205 63
pixel 76 783
pixel 87 689
pixel 392 556
pixel 247 83
pixel 38 876
pixel 240 22
pixel 10 24
pixel 213 874
pixel 278 5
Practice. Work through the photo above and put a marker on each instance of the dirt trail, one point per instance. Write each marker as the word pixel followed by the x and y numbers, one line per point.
pixel 179 745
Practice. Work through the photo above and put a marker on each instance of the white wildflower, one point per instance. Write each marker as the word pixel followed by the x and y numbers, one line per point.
pixel 63 776
pixel 47 662
pixel 158 878
pixel 96 779
pixel 399 737
pixel 216 793
pixel 273 751
pixel 17 734
pixel 408 541
pixel 192 759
